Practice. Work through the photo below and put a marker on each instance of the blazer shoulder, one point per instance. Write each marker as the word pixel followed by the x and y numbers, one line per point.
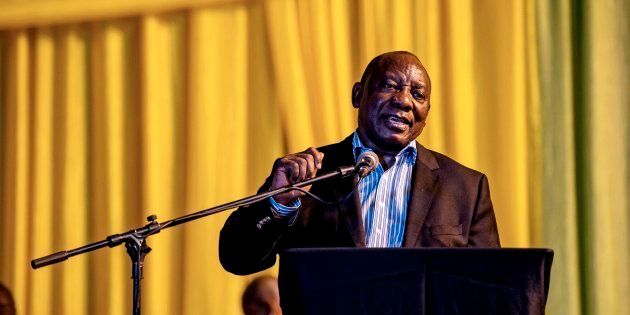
pixel 337 154
pixel 340 147
pixel 331 148
pixel 450 166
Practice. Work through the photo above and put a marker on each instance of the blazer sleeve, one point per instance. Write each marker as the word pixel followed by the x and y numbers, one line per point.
pixel 245 245
pixel 483 229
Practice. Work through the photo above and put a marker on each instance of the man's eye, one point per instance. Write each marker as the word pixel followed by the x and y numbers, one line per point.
pixel 390 85
pixel 419 96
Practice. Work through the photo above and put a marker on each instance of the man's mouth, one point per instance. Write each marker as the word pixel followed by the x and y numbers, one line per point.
pixel 398 123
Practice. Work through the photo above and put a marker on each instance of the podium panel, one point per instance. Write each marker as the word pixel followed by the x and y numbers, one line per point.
pixel 414 281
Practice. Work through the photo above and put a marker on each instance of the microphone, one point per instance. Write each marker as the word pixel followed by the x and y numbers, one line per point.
pixel 366 163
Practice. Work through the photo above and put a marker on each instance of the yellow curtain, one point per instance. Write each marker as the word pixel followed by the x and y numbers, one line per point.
pixel 114 110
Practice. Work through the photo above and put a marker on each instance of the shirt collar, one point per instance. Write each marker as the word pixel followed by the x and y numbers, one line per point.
pixel 358 148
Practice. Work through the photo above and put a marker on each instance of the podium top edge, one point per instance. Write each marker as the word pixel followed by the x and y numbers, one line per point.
pixel 426 249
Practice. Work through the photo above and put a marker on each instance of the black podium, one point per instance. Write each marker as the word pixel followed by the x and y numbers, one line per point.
pixel 414 281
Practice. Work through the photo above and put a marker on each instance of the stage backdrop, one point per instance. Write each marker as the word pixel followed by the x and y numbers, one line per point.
pixel 111 110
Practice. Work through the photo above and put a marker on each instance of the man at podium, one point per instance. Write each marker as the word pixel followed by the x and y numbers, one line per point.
pixel 414 197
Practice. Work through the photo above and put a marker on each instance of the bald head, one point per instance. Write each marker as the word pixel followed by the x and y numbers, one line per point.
pixel 261 297
pixel 383 61
pixel 7 305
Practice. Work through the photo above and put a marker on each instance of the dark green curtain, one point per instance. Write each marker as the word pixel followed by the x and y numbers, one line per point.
pixel 584 64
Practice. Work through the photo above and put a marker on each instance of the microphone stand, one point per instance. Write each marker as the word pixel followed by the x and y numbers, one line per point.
pixel 135 240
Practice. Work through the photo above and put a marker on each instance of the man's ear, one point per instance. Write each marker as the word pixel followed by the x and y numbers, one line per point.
pixel 357 90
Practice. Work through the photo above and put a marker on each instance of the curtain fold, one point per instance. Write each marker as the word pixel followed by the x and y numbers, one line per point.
pixel 109 120
pixel 602 139
pixel 559 206
pixel 115 157
pixel 71 168
pixel 17 173
pixel 217 129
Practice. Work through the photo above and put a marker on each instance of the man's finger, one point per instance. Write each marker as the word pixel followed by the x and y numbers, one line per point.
pixel 320 159
pixel 302 167
pixel 311 170
pixel 317 155
pixel 292 168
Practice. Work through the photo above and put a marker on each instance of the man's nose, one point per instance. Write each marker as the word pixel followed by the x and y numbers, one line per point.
pixel 402 99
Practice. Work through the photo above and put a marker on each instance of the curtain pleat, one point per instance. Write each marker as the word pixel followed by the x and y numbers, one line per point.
pixel 559 209
pixel 217 132
pixel 17 154
pixel 72 168
pixel 43 187
pixel 602 142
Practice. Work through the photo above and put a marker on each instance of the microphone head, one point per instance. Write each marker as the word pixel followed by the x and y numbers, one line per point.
pixel 366 163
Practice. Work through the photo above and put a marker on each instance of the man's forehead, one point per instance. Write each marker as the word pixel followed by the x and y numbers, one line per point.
pixel 399 59
pixel 406 64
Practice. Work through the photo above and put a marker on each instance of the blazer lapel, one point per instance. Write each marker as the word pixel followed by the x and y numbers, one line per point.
pixel 423 187
pixel 350 210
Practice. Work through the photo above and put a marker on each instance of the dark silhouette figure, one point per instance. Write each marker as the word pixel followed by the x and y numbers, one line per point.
pixel 7 305
pixel 261 297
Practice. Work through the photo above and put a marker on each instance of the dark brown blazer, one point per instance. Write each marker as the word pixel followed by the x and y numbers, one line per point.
pixel 449 206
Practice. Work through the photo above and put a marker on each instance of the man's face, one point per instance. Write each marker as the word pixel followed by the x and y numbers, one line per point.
pixel 394 103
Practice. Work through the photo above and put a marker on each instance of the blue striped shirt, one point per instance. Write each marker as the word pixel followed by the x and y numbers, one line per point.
pixel 384 196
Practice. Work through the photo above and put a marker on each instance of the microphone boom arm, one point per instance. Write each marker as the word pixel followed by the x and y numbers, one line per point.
pixel 135 240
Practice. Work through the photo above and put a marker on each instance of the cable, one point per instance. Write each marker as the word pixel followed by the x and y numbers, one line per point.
pixel 310 194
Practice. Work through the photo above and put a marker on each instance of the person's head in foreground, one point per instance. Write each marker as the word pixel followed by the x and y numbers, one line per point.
pixel 7 305
pixel 261 297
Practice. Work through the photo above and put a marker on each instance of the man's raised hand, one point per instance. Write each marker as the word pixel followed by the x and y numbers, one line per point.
pixel 295 168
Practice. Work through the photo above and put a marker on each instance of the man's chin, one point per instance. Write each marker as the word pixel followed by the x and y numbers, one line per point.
pixel 394 142
pixel 386 140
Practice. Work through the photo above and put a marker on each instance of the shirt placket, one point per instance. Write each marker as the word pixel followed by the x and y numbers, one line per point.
pixel 383 209
pixel 385 204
